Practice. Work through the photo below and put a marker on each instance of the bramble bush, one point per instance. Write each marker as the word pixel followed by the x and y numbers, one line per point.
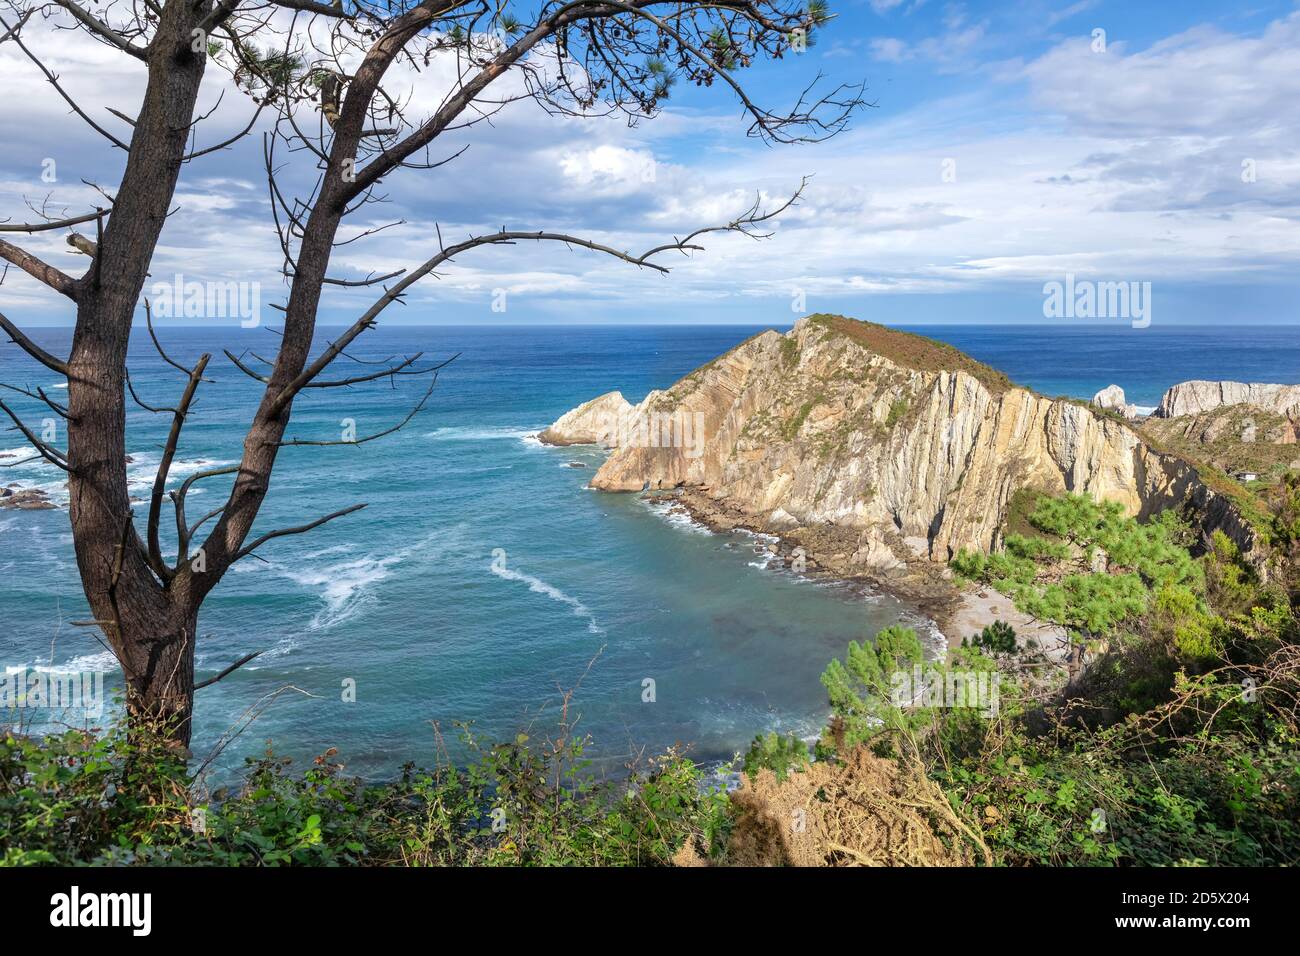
pixel 114 799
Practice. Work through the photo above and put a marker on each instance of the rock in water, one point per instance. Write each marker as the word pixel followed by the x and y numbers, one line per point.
pixel 595 422
pixel 25 499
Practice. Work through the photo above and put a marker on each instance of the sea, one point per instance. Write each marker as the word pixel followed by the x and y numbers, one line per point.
pixel 485 590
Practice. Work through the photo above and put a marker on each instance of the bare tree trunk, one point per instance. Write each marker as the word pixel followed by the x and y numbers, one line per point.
pixel 151 628
pixel 160 678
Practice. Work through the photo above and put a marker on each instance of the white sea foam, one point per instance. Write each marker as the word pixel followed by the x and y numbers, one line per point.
pixel 285 645
pixel 462 433
pixel 345 587
pixel 42 476
pixel 103 661
pixel 332 549
pixel 675 515
pixel 144 467
pixel 37 474
pixel 464 472
pixel 539 586
pixel 348 587
pixel 933 641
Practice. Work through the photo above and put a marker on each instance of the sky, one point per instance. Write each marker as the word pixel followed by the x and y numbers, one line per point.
pixel 1007 147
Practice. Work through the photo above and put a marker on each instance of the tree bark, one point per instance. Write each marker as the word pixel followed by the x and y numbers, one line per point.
pixel 150 627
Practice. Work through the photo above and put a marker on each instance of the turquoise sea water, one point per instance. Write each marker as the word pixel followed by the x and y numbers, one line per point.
pixel 596 590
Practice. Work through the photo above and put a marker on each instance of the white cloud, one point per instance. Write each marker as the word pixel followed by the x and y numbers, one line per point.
pixel 612 170
pixel 1200 82
pixel 1125 164
pixel 948 50
pixel 889 50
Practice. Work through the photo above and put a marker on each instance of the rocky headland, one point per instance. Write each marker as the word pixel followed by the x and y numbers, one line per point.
pixel 1249 431
pixel 878 453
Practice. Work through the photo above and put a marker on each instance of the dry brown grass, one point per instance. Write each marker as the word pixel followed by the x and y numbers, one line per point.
pixel 866 811
pixel 914 351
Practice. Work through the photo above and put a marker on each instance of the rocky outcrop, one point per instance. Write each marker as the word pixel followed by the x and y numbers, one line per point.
pixel 1241 424
pixel 1199 397
pixel 897 441
pixel 25 499
pixel 1112 397
pixel 591 423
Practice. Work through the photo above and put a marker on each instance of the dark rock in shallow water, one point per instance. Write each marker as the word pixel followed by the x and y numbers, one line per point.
pixel 25 499
pixel 575 464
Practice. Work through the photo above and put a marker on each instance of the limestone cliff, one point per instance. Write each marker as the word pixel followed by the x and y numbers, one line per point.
pixel 589 423
pixel 1197 397
pixel 1236 439
pixel 895 438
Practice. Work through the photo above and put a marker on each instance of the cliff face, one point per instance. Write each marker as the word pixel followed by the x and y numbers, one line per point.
pixel 588 424
pixel 904 441
pixel 1196 398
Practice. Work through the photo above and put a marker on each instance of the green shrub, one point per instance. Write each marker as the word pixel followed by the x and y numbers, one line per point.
pixel 861 687
pixel 112 800
pixel 998 638
pixel 780 754
pixel 897 409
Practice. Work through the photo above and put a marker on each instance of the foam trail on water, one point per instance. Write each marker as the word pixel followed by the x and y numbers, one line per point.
pixel 539 586
pixel 86 663
pixel 348 587
pixel 462 433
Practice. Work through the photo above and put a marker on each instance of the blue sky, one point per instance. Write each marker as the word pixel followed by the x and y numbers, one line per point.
pixel 1007 149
